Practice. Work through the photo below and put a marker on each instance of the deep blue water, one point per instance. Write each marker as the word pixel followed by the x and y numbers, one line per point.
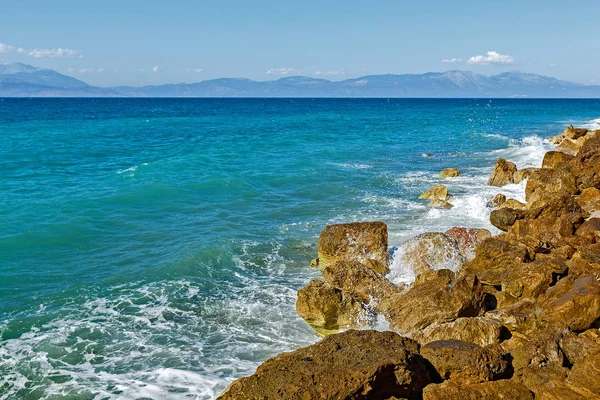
pixel 152 248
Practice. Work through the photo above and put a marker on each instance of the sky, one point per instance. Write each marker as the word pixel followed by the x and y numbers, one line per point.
pixel 125 42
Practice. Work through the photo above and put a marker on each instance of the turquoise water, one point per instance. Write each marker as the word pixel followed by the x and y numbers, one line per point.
pixel 152 248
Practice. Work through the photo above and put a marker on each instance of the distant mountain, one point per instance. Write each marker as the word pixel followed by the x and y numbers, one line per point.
pixel 20 80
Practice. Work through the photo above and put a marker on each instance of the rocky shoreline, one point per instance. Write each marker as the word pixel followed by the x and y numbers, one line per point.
pixel 517 319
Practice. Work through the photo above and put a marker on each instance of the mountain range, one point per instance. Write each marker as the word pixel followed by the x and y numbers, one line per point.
pixel 21 80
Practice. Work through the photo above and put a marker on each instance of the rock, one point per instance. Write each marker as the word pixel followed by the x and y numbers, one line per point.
pixel 504 218
pixel 496 390
pixel 498 200
pixel 436 298
pixel 574 133
pixel 584 377
pixel 437 203
pixel 365 242
pixel 328 309
pixel 429 251
pixel 522 174
pixel 589 199
pixel 514 204
pixel 550 181
pixel 438 192
pixel 464 362
pixel 585 261
pixel 481 331
pixel 348 365
pixel 361 282
pixel 573 303
pixel 577 347
pixel 450 173
pixel 468 239
pixel 553 159
pixel 519 317
pixel 503 173
pixel 590 229
pixel 314 263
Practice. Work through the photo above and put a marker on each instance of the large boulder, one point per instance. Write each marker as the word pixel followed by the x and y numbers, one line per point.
pixel 584 377
pixel 430 251
pixel 481 331
pixel 577 347
pixel 328 309
pixel 450 173
pixel 365 242
pixel 496 390
pixel 549 181
pixel 348 365
pixel 503 173
pixel 590 229
pixel 468 239
pixel 498 200
pixel 438 192
pixel 514 204
pixel 465 362
pixel 553 159
pixel 436 296
pixel 589 199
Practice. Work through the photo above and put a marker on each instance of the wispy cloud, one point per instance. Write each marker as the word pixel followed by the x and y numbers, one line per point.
pixel 155 69
pixel 339 72
pixel 85 70
pixel 282 71
pixel 195 70
pixel 42 53
pixel 492 58
pixel 452 60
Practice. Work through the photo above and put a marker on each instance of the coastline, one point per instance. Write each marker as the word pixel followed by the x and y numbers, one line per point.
pixel 517 315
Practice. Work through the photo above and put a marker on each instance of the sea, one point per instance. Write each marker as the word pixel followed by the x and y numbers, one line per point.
pixel 152 248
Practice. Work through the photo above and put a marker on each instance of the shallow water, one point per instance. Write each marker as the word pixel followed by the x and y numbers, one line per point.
pixel 152 248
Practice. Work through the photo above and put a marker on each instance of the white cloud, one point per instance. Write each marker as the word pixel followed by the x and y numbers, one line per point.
pixel 195 70
pixel 85 70
pixel 282 71
pixel 339 72
pixel 155 69
pixel 452 60
pixel 5 48
pixel 51 53
pixel 492 58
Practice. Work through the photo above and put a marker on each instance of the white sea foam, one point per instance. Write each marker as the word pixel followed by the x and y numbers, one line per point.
pixel 592 124
pixel 351 165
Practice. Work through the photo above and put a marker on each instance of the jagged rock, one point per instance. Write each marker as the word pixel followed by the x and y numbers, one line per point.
pixel 365 242
pixel 514 204
pixel 547 181
pixel 450 173
pixel 585 261
pixel 495 390
pixel 574 133
pixel 553 159
pixel 438 192
pixel 328 309
pixel 481 331
pixel 429 251
pixel 348 365
pixel 361 282
pixel 577 347
pixel 468 239
pixel 573 303
pixel 504 218
pixel 584 377
pixel 589 199
pixel 498 200
pixel 503 173
pixel 522 174
pixel 519 317
pixel 464 362
pixel 436 298
pixel 437 203
pixel 590 229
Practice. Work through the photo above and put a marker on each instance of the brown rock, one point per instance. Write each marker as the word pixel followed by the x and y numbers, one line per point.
pixel 519 317
pixel 365 242
pixel 464 362
pixel 590 229
pixel 328 309
pixel 585 376
pixel 577 347
pixel 481 331
pixel 503 173
pixel 574 133
pixel 437 203
pixel 553 159
pixel 429 251
pixel 468 239
pixel 573 303
pixel 450 173
pixel 361 282
pixel 504 218
pixel 438 192
pixel 437 299
pixel 550 181
pixel 498 200
pixel 348 365
pixel 514 204
pixel 586 261
pixel 522 174
pixel 589 199
pixel 497 390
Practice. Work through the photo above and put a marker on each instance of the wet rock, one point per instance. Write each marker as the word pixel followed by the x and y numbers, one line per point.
pixel 495 390
pixel 437 203
pixel 514 204
pixel 504 218
pixel 549 181
pixel 438 192
pixel 328 309
pixel 522 174
pixel 468 239
pixel 481 331
pixel 464 362
pixel 348 365
pixel 503 173
pixel 553 159
pixel 436 298
pixel 574 133
pixel 365 242
pixel 429 251
pixel 450 173
pixel 498 200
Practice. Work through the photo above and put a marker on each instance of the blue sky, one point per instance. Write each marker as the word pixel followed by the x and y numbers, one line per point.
pixel 153 42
